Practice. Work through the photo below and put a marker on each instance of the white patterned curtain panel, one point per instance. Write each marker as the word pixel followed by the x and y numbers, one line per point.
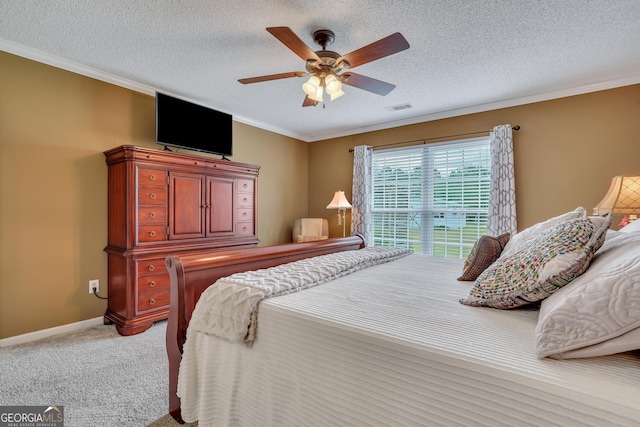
pixel 361 222
pixel 502 197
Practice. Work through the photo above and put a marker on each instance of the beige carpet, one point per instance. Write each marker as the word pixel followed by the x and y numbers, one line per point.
pixel 98 376
pixel 168 421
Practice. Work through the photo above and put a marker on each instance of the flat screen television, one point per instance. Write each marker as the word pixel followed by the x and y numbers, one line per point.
pixel 183 124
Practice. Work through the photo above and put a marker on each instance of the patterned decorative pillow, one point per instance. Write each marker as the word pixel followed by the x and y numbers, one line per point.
pixel 546 264
pixel 485 252
pixel 521 239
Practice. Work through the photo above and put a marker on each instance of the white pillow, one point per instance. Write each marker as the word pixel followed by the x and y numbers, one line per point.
pixel 599 312
pixel 520 240
pixel 611 234
pixel 631 227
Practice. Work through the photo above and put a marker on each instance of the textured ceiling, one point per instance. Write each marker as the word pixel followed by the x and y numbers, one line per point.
pixel 465 55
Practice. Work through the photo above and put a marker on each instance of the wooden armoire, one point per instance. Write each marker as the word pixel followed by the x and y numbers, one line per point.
pixel 161 203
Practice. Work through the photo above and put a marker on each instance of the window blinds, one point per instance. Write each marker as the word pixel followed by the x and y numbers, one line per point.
pixel 433 198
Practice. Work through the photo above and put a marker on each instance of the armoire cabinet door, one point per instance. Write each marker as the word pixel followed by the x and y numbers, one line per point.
pixel 221 206
pixel 186 206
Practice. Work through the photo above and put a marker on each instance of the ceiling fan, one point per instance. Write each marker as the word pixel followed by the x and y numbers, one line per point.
pixel 328 69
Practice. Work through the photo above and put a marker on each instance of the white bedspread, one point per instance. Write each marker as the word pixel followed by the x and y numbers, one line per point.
pixel 391 346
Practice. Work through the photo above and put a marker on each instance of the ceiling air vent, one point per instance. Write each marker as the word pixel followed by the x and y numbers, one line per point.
pixel 398 107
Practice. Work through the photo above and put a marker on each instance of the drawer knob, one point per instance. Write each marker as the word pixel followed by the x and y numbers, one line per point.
pixel 152 214
pixel 152 177
pixel 244 214
pixel 244 228
pixel 153 196
pixel 245 185
pixel 151 267
pixel 152 301
pixel 152 283
pixel 152 233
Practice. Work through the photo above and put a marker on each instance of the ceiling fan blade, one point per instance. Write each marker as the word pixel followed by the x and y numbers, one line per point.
pixel 272 77
pixel 308 102
pixel 293 42
pixel 367 83
pixel 384 47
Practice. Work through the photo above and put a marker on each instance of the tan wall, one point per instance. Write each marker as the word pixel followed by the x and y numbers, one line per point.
pixel 566 152
pixel 54 127
pixel 283 181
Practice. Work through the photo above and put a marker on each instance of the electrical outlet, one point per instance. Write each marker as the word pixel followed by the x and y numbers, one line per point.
pixel 94 284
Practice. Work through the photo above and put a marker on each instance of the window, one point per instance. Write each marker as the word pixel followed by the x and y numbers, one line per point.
pixel 434 198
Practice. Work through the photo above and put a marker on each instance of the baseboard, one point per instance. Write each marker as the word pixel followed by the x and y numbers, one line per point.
pixel 45 333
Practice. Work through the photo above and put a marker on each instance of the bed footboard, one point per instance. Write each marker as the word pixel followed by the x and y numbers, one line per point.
pixel 190 275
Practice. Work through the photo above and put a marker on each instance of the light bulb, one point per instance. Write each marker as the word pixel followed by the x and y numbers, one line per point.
pixel 317 96
pixel 336 95
pixel 310 87
pixel 332 84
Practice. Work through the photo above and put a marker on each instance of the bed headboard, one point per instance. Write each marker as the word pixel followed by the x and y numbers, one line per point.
pixel 190 275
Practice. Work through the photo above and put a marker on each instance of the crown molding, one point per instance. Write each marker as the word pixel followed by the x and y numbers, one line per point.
pixel 68 65
pixel 65 64
pixel 514 102
pixel 74 67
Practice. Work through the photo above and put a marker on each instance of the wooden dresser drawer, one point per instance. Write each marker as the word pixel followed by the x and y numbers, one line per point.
pixel 245 228
pixel 245 186
pixel 152 215
pixel 153 283
pixel 152 177
pixel 151 266
pixel 153 300
pixel 152 233
pixel 152 196
pixel 245 200
pixel 245 214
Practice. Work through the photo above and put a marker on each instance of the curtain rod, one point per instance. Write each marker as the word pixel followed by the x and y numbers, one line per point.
pixel 516 127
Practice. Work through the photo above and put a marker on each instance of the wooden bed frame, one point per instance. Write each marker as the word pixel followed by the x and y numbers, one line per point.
pixel 190 275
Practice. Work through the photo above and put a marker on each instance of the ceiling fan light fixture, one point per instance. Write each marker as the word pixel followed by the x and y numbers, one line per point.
pixel 336 95
pixel 332 84
pixel 327 68
pixel 317 96
pixel 311 86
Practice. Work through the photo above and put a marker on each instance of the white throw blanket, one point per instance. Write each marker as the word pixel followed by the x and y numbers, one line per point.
pixel 229 308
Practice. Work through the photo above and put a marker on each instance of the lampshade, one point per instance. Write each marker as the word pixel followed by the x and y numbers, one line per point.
pixel 318 95
pixel 310 87
pixel 336 95
pixel 332 84
pixel 320 83
pixel 623 197
pixel 339 201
